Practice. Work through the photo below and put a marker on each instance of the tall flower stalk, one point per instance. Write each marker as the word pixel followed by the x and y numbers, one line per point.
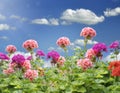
pixel 115 46
pixel 88 33
pixel 63 42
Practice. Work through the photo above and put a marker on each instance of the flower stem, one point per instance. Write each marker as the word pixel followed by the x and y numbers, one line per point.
pixel 85 44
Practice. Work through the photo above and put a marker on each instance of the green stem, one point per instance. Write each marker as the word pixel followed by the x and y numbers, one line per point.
pixel 116 57
pixel 66 52
pixel 85 44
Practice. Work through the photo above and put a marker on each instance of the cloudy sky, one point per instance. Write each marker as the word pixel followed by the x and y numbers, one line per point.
pixel 47 20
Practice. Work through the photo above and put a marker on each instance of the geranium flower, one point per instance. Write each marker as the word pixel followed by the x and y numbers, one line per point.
pixel 31 74
pixel 30 44
pixel 63 42
pixel 11 49
pixel 84 63
pixel 88 32
pixel 3 56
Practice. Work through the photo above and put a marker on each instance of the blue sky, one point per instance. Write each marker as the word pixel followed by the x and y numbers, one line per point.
pixel 47 20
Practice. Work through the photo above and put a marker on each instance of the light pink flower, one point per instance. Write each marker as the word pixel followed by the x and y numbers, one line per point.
pixel 26 65
pixel 88 32
pixel 11 49
pixel 90 53
pixel 30 44
pixel 61 60
pixel 63 42
pixel 8 71
pixel 84 63
pixel 31 74
pixel 12 65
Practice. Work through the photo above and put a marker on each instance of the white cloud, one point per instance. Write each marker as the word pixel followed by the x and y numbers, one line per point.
pixel 4 37
pixel 2 17
pixel 81 42
pixel 44 21
pixel 83 16
pixel 65 23
pixel 22 19
pixel 6 27
pixel 53 21
pixel 51 48
pixel 59 49
pixel 109 59
pixel 112 12
pixel 74 46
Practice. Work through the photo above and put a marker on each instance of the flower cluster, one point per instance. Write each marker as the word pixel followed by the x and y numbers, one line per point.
pixel 99 48
pixel 85 63
pixel 61 60
pixel 3 56
pixel 115 68
pixel 115 45
pixel 88 32
pixel 90 54
pixel 63 42
pixel 11 49
pixel 31 74
pixel 18 59
pixel 40 53
pixel 53 54
pixel 30 44
pixel 8 71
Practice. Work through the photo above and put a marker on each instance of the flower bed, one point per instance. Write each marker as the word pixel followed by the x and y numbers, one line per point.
pixel 83 72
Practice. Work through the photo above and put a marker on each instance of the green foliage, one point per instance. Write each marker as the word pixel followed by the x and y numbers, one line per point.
pixel 65 79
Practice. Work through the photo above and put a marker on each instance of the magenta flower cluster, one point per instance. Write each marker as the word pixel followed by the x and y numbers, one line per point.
pixel 100 47
pixel 40 53
pixel 115 45
pixel 3 56
pixel 54 55
pixel 18 59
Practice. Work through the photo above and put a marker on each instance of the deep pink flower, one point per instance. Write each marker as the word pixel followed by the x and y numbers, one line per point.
pixel 84 63
pixel 54 55
pixel 8 71
pixel 29 58
pixel 115 45
pixel 61 60
pixel 31 74
pixel 11 48
pixel 40 53
pixel 30 44
pixel 88 32
pixel 99 48
pixel 3 56
pixel 18 59
pixel 26 65
pixel 63 42
pixel 90 54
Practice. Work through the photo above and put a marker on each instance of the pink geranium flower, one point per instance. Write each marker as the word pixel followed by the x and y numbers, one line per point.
pixel 30 44
pixel 84 63
pixel 11 48
pixel 61 60
pixel 31 74
pixel 63 42
pixel 90 54
pixel 8 71
pixel 88 32
pixel 26 65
